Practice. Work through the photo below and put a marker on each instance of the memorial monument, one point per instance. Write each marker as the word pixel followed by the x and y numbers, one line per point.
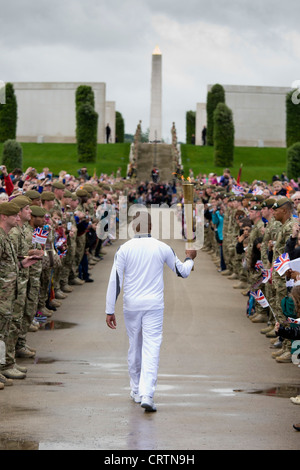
pixel 155 131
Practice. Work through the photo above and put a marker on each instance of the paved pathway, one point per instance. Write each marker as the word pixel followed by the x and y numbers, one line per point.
pixel 218 386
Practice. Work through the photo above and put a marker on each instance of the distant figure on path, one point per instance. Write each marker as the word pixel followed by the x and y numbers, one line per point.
pixel 204 135
pixel 108 132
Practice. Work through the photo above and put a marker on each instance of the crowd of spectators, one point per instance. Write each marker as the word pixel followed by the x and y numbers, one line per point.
pixel 247 226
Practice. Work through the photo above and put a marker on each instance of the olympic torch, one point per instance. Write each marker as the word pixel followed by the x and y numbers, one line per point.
pixel 188 195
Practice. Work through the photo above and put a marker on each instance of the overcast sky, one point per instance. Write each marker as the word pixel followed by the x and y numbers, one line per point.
pixel 232 42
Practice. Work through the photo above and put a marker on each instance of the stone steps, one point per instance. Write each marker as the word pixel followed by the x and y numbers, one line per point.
pixel 150 155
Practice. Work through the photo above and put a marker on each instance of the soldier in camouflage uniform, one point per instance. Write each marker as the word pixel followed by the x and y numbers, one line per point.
pixel 70 227
pixel 226 224
pixel 229 240
pixel 58 189
pixel 9 271
pixel 21 247
pixel 73 278
pixel 283 213
pixel 48 201
pixel 34 196
pixel 270 234
pixel 33 285
pixel 82 194
pixel 255 216
pixel 239 269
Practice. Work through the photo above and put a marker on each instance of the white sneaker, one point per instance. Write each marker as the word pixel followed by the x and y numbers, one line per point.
pixel 136 397
pixel 148 404
pixel 296 400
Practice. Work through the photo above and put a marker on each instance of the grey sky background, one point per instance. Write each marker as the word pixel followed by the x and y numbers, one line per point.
pixel 232 42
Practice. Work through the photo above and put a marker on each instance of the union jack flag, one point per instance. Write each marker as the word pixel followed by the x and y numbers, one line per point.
pixel 259 265
pixel 257 191
pixel 40 236
pixel 237 189
pixel 294 320
pixel 267 275
pixel 260 298
pixel 282 264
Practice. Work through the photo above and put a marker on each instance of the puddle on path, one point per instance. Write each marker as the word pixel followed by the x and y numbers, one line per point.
pixel 14 444
pixel 281 391
pixel 57 325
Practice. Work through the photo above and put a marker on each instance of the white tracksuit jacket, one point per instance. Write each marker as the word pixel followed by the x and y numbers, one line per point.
pixel 140 263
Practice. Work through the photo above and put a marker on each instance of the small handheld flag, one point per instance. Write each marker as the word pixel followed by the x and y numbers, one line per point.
pixel 40 236
pixel 294 320
pixel 267 275
pixel 260 298
pixel 282 264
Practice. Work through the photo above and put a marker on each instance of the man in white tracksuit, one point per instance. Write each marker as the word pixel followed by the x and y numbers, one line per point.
pixel 140 261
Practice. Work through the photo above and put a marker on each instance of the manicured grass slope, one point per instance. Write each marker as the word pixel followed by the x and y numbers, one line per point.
pixel 258 163
pixel 59 157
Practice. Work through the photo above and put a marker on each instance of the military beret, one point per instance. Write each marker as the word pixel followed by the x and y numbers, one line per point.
pixel 67 193
pixel 74 196
pixel 32 194
pixel 257 198
pixel 38 211
pixel 232 198
pixel 281 202
pixel 268 202
pixel 47 196
pixel 239 198
pixel 22 201
pixel 248 195
pixel 256 207
pixel 81 192
pixel 9 208
pixel 58 185
pixel 88 187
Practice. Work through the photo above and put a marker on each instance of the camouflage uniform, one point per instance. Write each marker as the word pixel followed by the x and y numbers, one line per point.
pixel 81 238
pixel 33 288
pixel 48 263
pixel 21 247
pixel 271 231
pixel 254 276
pixel 279 282
pixel 229 242
pixel 9 272
pixel 69 260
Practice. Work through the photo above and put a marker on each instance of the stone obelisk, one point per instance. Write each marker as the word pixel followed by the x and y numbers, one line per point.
pixel 155 132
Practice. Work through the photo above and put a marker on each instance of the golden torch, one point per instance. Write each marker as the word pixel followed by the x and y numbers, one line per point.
pixel 188 196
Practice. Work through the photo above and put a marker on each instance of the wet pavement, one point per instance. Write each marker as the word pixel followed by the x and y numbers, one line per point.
pixel 218 387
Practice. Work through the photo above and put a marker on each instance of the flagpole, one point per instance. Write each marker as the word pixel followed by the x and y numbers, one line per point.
pixel 275 318
pixel 239 174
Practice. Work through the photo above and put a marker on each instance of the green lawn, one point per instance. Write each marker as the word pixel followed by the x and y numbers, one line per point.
pixel 258 163
pixel 59 157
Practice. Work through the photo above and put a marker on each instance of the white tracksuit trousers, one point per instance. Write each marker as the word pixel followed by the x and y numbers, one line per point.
pixel 144 329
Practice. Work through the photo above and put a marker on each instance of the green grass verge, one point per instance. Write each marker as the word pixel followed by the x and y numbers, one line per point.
pixel 258 163
pixel 59 157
